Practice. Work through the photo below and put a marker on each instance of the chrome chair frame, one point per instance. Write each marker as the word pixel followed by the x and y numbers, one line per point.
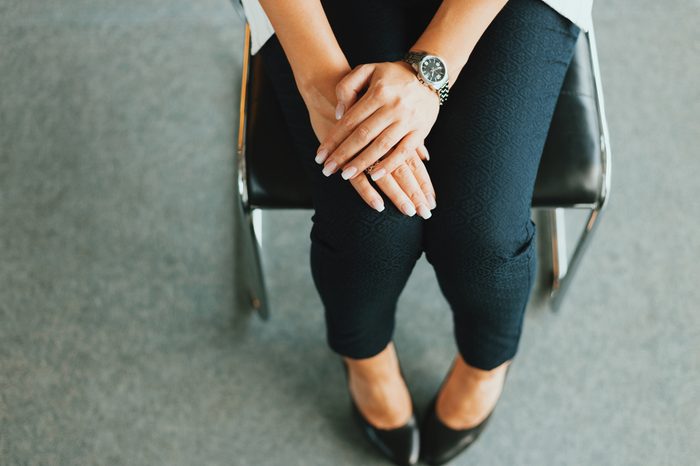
pixel 563 267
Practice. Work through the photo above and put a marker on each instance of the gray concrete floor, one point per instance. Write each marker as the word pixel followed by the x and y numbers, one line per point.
pixel 120 338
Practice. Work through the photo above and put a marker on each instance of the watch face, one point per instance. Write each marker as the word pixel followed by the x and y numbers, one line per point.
pixel 433 69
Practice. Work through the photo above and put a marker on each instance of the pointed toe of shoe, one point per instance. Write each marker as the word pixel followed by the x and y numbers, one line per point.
pixel 440 443
pixel 400 445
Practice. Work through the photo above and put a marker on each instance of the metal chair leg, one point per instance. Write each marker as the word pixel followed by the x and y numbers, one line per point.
pixel 254 279
pixel 250 253
pixel 563 267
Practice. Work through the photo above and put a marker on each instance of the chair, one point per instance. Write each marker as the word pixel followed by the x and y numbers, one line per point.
pixel 574 172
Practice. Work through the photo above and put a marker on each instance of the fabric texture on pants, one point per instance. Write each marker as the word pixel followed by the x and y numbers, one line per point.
pixel 485 149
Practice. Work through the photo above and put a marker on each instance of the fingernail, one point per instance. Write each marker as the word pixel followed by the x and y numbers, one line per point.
pixel 339 110
pixel 378 205
pixel 378 174
pixel 321 156
pixel 408 209
pixel 328 169
pixel 348 172
pixel 431 201
pixel 427 154
pixel 424 211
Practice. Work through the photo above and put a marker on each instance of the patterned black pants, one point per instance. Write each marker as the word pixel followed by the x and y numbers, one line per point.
pixel 485 151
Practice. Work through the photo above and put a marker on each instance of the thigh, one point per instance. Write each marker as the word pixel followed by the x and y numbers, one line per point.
pixel 367 31
pixel 370 31
pixel 487 142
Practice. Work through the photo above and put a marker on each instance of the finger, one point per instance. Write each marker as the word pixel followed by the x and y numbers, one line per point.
pixel 369 103
pixel 423 152
pixel 396 157
pixel 396 194
pixel 365 133
pixel 389 144
pixel 423 179
pixel 386 143
pixel 407 180
pixel 348 89
pixel 367 192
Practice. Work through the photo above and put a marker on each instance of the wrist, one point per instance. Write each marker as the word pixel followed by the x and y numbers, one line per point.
pixel 320 85
pixel 414 72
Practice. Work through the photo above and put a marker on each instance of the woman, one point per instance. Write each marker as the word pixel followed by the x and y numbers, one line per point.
pixel 382 140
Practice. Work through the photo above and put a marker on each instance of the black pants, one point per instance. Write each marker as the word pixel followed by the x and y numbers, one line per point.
pixel 485 151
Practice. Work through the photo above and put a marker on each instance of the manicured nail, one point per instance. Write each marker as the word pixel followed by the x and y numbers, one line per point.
pixel 339 110
pixel 328 169
pixel 408 209
pixel 427 155
pixel 431 201
pixel 348 172
pixel 321 156
pixel 424 211
pixel 378 174
pixel 378 205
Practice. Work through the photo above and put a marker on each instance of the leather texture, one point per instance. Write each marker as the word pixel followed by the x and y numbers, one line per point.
pixel 570 171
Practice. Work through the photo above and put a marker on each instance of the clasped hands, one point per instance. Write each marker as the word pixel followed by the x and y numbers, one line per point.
pixel 389 114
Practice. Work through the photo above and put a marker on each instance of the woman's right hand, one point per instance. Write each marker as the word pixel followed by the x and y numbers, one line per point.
pixel 408 186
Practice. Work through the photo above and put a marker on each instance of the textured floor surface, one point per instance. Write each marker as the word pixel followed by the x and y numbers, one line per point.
pixel 121 342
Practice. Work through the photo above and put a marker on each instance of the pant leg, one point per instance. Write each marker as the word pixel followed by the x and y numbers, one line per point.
pixel 360 259
pixel 486 147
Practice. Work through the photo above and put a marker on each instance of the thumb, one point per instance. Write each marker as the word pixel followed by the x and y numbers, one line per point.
pixel 349 88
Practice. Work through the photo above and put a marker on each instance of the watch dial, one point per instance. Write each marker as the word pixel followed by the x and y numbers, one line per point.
pixel 433 69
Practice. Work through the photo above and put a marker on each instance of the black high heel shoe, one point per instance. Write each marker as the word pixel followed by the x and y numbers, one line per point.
pixel 440 443
pixel 400 445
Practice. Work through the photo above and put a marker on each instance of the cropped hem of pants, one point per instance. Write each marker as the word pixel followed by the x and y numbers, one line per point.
pixel 485 151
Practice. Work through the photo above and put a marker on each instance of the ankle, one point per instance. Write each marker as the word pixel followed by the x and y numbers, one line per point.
pixel 382 366
pixel 469 394
pixel 379 390
pixel 464 370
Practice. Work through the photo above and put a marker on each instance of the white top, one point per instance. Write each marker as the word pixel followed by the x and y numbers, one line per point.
pixel 578 11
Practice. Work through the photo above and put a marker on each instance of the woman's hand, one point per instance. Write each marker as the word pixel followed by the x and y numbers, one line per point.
pixel 392 118
pixel 408 186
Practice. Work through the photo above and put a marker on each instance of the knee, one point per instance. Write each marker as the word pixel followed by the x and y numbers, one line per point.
pixel 488 254
pixel 510 248
pixel 347 225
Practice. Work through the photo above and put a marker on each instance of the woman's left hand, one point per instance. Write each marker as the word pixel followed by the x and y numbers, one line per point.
pixel 396 110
